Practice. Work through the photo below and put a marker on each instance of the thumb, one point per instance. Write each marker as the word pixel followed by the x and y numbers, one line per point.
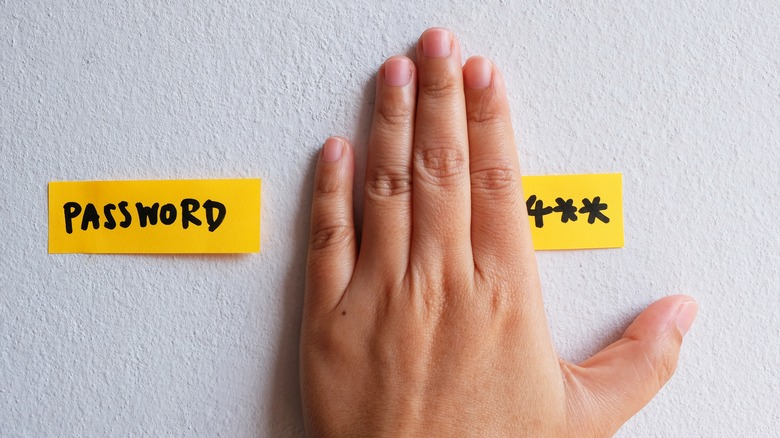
pixel 613 385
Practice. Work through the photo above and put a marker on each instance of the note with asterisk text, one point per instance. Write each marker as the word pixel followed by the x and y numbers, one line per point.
pixel 575 211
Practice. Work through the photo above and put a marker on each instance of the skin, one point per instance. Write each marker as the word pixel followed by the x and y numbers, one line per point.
pixel 435 325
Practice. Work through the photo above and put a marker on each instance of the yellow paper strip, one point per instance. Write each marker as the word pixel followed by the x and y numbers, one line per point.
pixel 575 211
pixel 174 216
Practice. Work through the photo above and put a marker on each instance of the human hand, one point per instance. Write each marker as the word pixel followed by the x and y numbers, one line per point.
pixel 435 326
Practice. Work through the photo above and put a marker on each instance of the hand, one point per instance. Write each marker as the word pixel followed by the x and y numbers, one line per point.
pixel 435 326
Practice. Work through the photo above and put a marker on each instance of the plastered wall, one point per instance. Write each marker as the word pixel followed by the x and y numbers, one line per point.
pixel 682 97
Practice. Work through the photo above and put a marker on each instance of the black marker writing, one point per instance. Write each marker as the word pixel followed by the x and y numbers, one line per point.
pixel 594 210
pixel 188 206
pixel 147 215
pixel 214 222
pixel 126 214
pixel 110 223
pixel 538 211
pixel 567 209
pixel 72 210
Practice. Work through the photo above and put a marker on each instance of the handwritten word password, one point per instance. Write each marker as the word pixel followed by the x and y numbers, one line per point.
pixel 166 216
pixel 147 215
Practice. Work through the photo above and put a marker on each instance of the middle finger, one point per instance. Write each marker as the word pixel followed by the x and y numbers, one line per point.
pixel 441 199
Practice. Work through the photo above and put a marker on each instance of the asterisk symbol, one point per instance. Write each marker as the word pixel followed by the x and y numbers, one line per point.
pixel 594 210
pixel 567 209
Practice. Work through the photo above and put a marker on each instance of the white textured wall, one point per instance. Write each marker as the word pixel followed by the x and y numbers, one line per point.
pixel 683 97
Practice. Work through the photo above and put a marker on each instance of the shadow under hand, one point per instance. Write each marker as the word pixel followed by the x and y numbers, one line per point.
pixel 283 417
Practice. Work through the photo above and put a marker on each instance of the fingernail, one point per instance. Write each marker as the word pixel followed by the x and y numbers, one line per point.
pixel 332 150
pixel 398 72
pixel 686 313
pixel 478 73
pixel 436 43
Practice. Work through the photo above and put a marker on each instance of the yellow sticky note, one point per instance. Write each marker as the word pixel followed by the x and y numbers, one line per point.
pixel 575 211
pixel 167 216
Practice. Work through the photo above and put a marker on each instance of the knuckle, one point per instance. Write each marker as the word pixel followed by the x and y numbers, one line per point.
pixel 441 86
pixel 388 181
pixel 327 236
pixel 325 339
pixel 658 361
pixel 492 118
pixel 327 186
pixel 393 113
pixel 503 300
pixel 496 180
pixel 665 364
pixel 486 110
pixel 443 164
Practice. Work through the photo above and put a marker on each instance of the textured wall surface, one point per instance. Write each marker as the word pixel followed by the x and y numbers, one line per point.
pixel 683 97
